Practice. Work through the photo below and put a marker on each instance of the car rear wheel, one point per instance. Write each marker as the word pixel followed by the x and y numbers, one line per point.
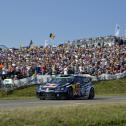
pixel 41 98
pixel 91 94
pixel 61 98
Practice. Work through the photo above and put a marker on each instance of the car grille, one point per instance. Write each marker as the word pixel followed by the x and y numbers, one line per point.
pixel 49 89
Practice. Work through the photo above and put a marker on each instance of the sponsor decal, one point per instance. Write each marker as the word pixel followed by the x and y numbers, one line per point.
pixel 47 89
pixel 50 86
pixel 76 89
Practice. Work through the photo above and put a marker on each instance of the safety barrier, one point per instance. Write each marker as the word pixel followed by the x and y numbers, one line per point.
pixel 109 76
pixel 32 80
pixel 38 79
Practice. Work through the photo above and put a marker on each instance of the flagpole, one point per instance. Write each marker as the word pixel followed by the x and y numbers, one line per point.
pixel 117 30
pixel 125 33
pixel 46 43
pixel 52 36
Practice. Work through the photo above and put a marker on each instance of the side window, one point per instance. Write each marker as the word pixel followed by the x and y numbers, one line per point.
pixel 75 80
pixel 81 81
pixel 69 80
pixel 66 80
pixel 86 80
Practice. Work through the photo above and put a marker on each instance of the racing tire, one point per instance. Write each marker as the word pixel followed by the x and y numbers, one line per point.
pixel 91 94
pixel 70 93
pixel 41 98
pixel 61 98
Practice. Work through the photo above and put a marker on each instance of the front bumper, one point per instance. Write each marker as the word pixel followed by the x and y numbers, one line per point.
pixel 52 95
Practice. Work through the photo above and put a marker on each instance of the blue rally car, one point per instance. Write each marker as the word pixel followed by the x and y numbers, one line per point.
pixel 67 87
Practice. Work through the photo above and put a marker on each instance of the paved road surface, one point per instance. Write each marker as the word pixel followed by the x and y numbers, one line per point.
pixel 37 103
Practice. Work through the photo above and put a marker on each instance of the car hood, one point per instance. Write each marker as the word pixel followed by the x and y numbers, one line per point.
pixel 53 85
pixel 50 85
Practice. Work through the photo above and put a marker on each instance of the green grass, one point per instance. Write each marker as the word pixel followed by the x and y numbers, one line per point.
pixel 107 114
pixel 73 115
pixel 110 87
pixel 28 92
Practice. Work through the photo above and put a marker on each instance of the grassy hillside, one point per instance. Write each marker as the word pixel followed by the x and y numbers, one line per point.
pixel 28 92
pixel 111 87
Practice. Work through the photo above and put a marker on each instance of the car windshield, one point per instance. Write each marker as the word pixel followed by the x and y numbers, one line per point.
pixel 8 86
pixel 59 80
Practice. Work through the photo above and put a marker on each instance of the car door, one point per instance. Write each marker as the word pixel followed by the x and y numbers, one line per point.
pixel 82 85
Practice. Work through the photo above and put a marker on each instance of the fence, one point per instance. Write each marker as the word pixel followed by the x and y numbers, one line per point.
pixel 32 80
pixel 43 78
pixel 109 76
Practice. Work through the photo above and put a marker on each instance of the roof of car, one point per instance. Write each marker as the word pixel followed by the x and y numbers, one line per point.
pixel 76 75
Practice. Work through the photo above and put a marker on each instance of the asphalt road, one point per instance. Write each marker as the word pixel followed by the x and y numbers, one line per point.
pixel 45 103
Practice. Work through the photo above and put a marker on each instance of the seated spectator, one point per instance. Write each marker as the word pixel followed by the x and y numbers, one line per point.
pixel 91 56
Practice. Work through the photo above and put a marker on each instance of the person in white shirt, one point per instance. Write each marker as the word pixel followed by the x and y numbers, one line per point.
pixel 65 70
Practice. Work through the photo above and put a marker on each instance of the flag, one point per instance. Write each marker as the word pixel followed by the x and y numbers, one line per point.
pixel 46 44
pixel 52 35
pixel 21 45
pixel 30 44
pixel 117 30
pixel 125 34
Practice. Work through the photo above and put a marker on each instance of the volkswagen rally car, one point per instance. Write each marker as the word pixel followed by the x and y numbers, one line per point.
pixel 66 87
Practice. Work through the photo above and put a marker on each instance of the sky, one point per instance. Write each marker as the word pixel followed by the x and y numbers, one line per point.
pixel 25 20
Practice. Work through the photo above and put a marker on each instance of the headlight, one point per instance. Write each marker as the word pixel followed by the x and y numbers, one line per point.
pixel 57 89
pixel 38 88
pixel 62 88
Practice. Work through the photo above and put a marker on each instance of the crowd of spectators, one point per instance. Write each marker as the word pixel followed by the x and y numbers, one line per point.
pixel 66 58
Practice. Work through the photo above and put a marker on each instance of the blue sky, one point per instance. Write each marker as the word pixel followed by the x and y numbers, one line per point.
pixel 25 20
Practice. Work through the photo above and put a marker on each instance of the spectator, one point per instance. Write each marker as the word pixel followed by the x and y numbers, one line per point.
pixel 85 57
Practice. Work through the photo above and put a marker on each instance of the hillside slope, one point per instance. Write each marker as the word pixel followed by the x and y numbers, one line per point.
pixel 111 87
